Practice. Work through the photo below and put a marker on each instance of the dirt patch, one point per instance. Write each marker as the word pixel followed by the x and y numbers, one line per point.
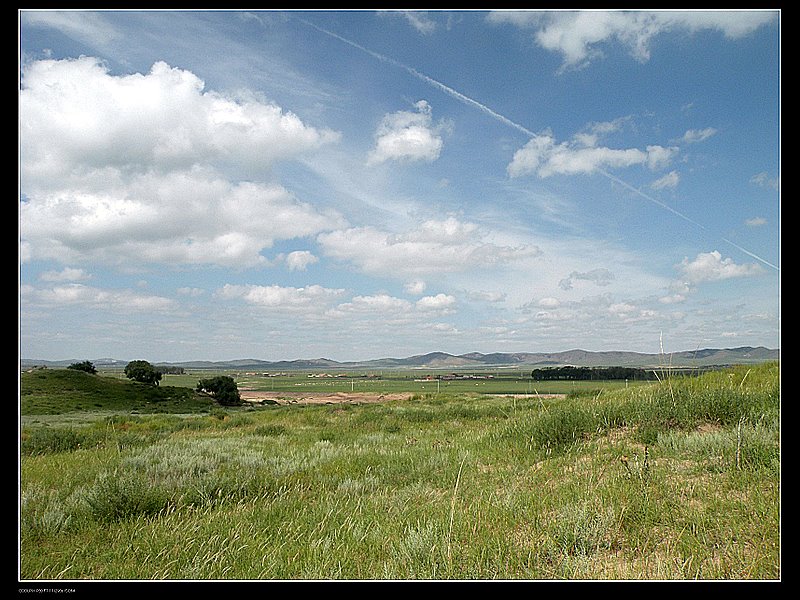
pixel 319 398
pixel 529 395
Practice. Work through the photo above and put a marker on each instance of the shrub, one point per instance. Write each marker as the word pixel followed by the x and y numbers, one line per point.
pixel 85 366
pixel 222 388
pixel 116 497
pixel 46 440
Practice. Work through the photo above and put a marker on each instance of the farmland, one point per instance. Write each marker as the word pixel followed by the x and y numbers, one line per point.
pixel 484 478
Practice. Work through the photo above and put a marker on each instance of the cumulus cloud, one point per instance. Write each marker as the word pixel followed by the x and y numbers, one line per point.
pixel 415 287
pixel 101 299
pixel 179 218
pixel 300 259
pixel 434 247
pixel 439 303
pixel 579 35
pixel 710 266
pixel 75 115
pixel 122 168
pixel 286 299
pixel 379 304
pixel 705 267
pixel 543 156
pixel 408 136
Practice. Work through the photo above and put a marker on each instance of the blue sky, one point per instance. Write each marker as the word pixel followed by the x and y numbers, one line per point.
pixel 215 185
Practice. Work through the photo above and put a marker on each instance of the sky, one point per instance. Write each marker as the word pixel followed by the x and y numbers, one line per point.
pixel 347 184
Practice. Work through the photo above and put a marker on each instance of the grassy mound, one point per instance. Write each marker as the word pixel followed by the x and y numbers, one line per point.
pixel 58 391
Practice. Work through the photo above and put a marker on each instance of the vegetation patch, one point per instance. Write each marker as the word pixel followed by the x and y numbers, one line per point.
pixel 679 479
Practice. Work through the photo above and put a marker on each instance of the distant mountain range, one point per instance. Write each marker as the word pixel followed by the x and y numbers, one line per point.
pixel 474 360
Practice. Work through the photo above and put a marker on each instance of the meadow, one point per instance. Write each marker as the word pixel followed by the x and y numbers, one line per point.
pixel 671 480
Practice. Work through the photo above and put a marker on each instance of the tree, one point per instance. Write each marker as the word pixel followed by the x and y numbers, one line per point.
pixel 143 372
pixel 222 388
pixel 85 365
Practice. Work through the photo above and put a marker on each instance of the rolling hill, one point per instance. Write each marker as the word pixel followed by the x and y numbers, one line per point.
pixel 475 360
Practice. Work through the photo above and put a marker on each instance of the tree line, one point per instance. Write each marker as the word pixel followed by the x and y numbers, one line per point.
pixel 592 373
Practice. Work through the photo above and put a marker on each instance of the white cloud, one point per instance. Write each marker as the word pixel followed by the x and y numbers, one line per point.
pixel 191 292
pixel 415 287
pixel 706 267
pixel 435 247
pixel 151 168
pixel 97 298
pixel 75 115
pixel 408 136
pixel 313 298
pixel 622 309
pixel 543 156
pixel 601 277
pixel 711 266
pixel 756 222
pixel 670 180
pixel 180 218
pixel 549 302
pixel 698 135
pixel 418 19
pixel 579 35
pixel 378 304
pixel 764 179
pixel 439 302
pixel 87 27
pixel 486 296
pixel 66 274
pixel 300 259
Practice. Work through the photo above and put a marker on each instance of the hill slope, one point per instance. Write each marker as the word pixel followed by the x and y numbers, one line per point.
pixel 56 391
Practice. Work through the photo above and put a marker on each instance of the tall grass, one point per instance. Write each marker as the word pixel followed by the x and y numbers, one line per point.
pixel 674 480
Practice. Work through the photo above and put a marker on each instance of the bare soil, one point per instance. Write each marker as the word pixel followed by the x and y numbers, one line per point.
pixel 319 398
pixel 344 397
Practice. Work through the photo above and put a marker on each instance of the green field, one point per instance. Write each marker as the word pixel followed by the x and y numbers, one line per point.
pixel 678 479
pixel 398 381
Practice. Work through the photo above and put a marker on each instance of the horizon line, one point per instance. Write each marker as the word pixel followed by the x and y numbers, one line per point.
pixel 461 355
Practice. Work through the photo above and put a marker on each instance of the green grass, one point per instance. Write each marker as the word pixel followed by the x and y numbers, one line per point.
pixel 497 381
pixel 58 391
pixel 677 480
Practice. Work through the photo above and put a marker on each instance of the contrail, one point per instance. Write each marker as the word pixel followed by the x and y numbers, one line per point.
pixel 679 214
pixel 429 80
pixel 497 116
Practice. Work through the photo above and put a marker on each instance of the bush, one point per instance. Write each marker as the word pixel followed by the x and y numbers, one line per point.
pixel 85 366
pixel 222 388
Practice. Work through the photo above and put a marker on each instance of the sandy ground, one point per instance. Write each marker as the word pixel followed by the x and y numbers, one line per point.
pixel 319 398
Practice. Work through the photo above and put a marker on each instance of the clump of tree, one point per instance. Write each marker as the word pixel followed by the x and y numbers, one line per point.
pixel 222 388
pixel 570 373
pixel 143 372
pixel 170 370
pixel 86 365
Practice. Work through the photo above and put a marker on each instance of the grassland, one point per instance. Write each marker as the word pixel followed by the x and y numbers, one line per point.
pixel 673 480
